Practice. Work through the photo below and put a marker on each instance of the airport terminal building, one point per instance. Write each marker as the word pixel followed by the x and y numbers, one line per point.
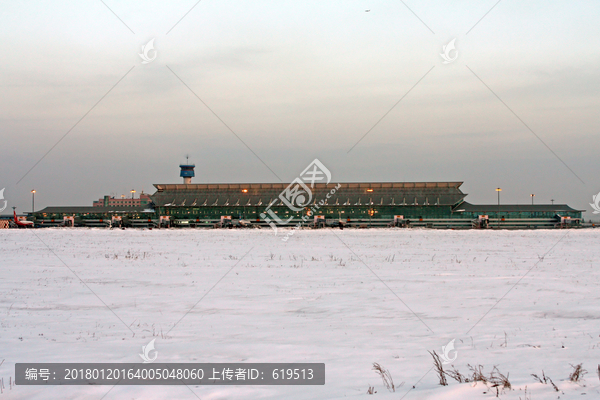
pixel 439 205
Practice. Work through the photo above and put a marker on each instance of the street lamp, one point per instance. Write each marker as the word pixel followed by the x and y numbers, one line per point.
pixel 552 201
pixel 32 200
pixel 498 215
pixel 532 196
pixel 132 193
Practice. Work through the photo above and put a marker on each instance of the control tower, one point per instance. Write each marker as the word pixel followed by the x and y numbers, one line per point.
pixel 187 172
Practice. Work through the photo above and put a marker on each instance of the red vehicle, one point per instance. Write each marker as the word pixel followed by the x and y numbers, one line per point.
pixel 22 223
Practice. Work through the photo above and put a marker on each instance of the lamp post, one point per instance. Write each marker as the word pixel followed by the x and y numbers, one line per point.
pixel 532 196
pixel 552 201
pixel 33 200
pixel 498 215
pixel 132 193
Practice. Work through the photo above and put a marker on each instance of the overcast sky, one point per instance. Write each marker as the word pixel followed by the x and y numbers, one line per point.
pixel 298 80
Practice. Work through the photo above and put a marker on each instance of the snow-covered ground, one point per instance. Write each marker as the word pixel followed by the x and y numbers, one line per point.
pixel 524 301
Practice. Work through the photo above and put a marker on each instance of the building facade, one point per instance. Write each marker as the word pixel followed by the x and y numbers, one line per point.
pixel 351 204
pixel 417 204
pixel 109 201
pixel 358 200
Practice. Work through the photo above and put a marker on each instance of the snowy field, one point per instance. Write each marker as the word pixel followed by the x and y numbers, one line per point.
pixel 523 301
